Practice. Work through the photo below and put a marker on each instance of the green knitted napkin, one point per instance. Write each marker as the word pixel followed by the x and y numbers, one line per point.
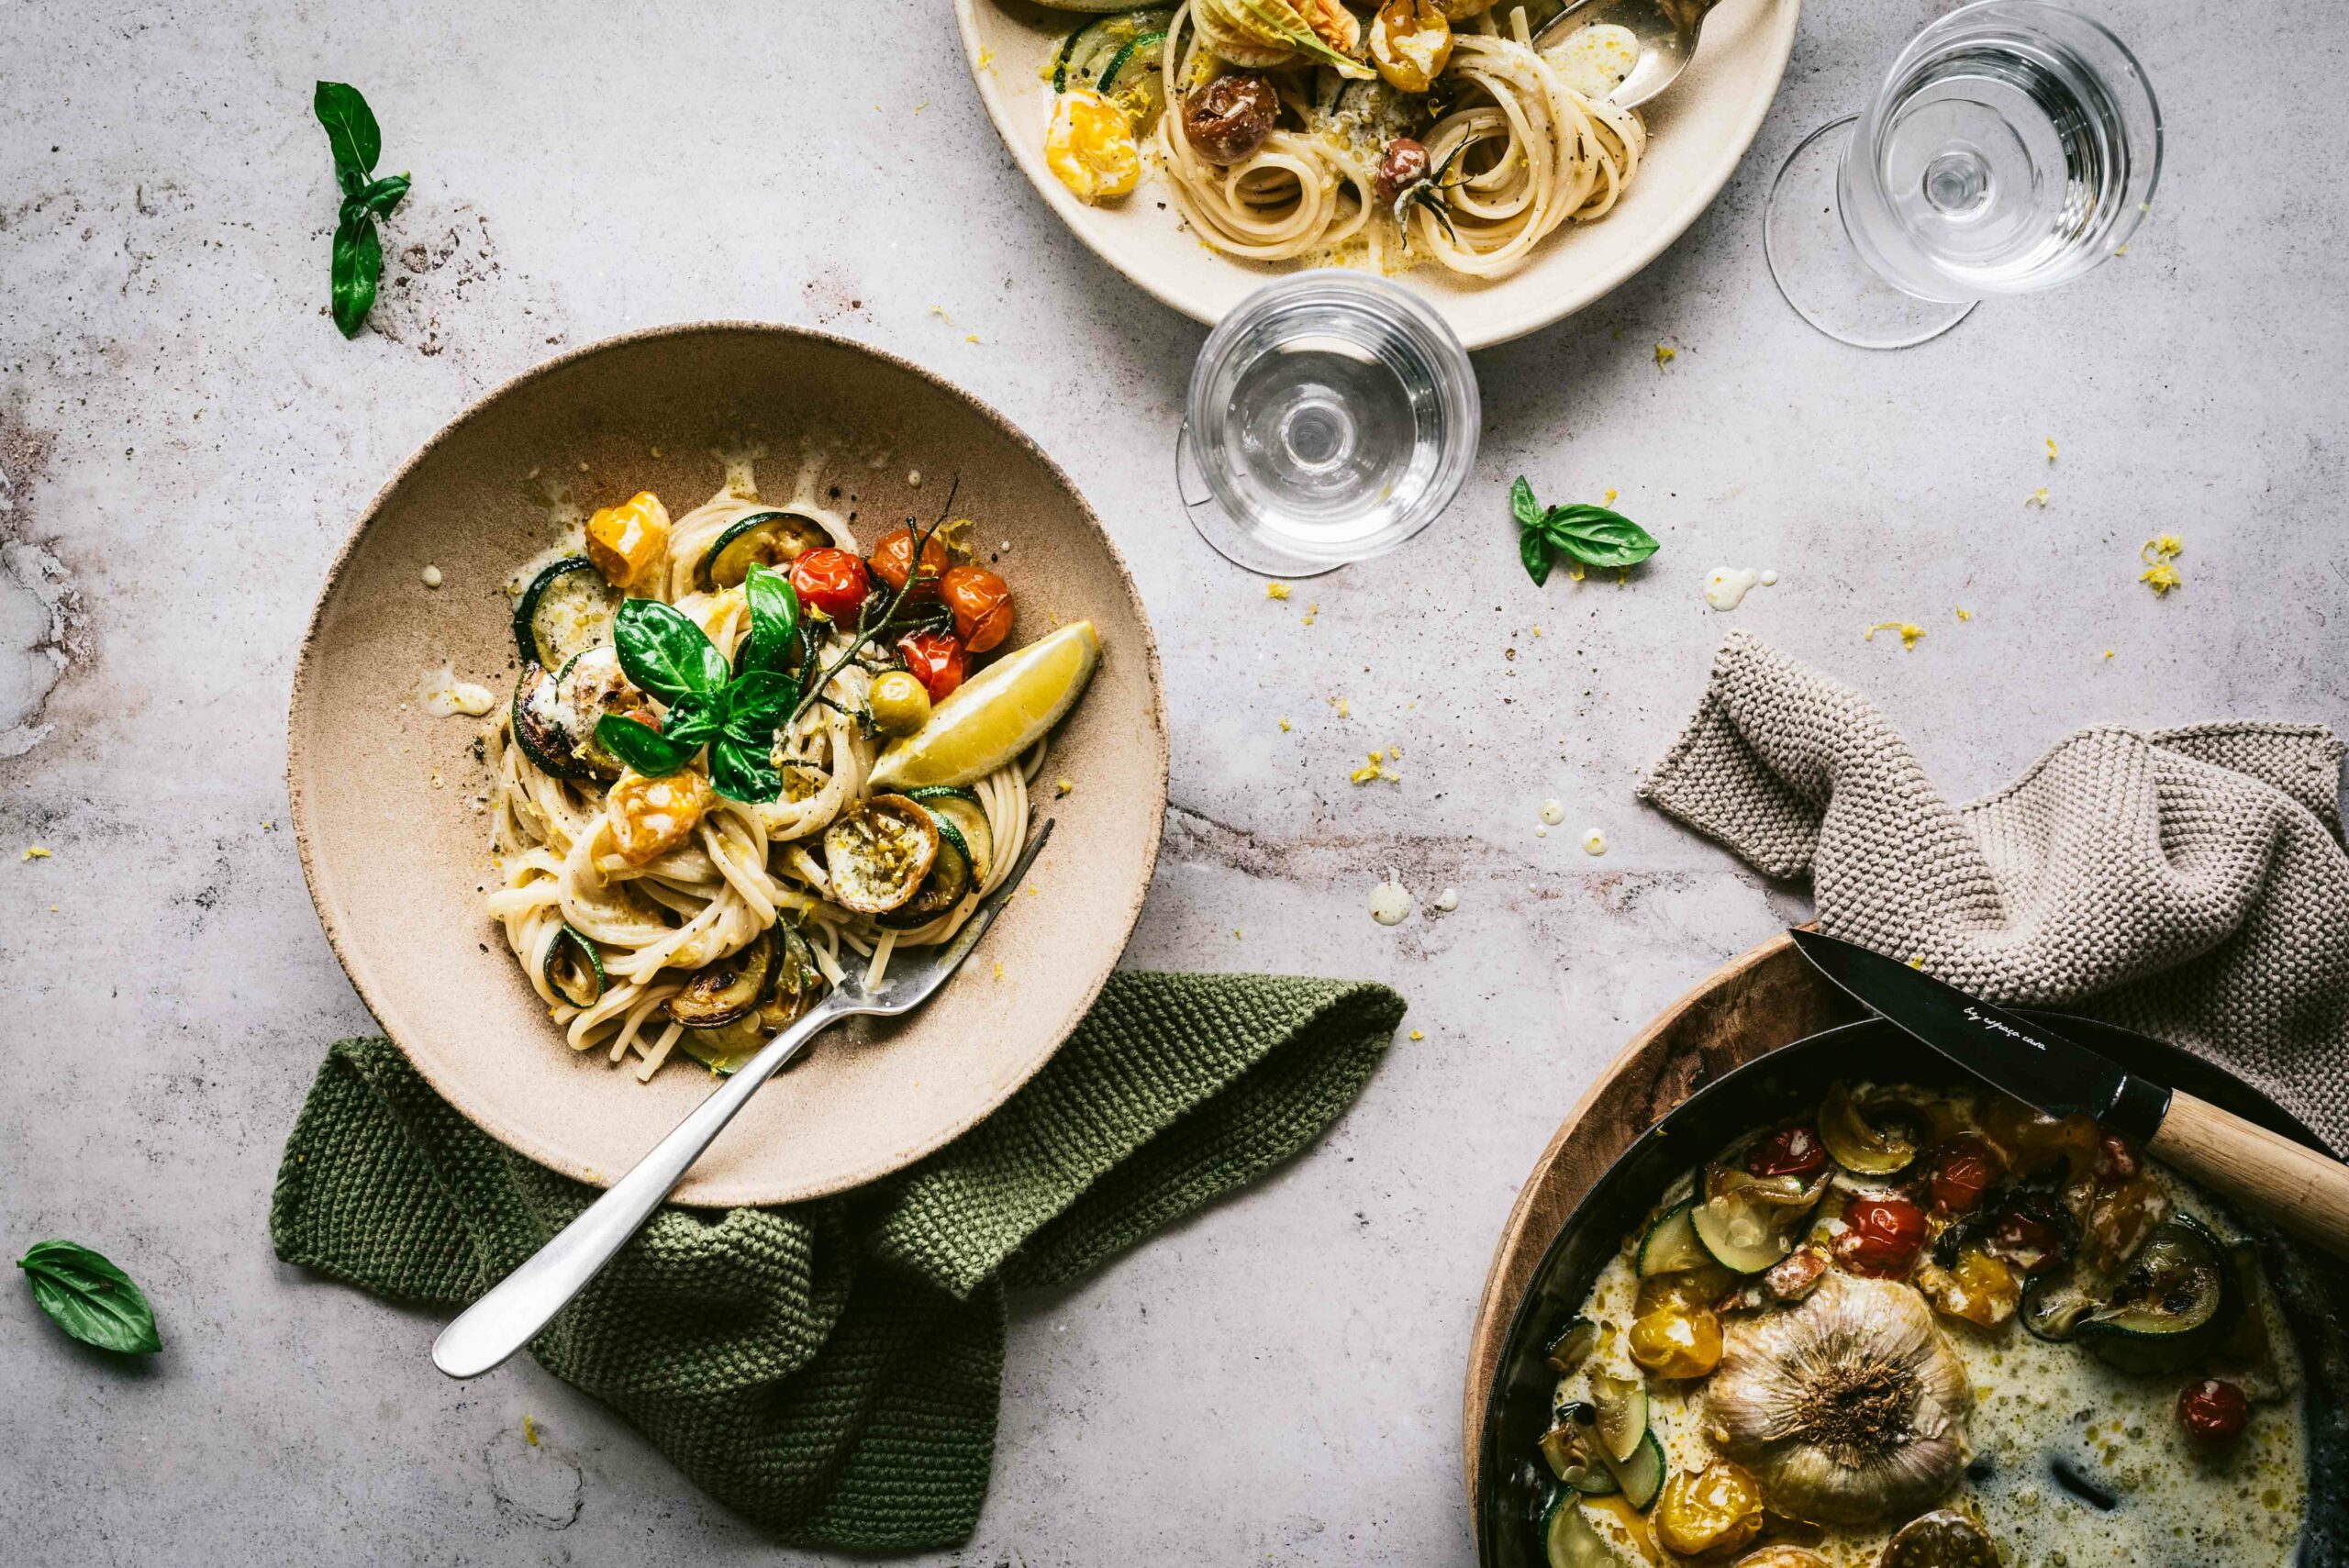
pixel 832 1369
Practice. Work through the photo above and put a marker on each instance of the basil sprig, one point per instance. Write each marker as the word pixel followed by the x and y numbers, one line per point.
pixel 357 141
pixel 735 715
pixel 91 1300
pixel 1591 535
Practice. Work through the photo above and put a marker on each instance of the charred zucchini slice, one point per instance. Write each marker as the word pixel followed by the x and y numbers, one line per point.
pixel 1743 1234
pixel 796 985
pixel 951 877
pixel 1671 1245
pixel 729 989
pixel 587 688
pixel 762 538
pixel 567 609
pixel 2055 1304
pixel 1569 1541
pixel 1571 1451
pixel 574 970
pixel 1623 1415
pixel 1573 1345
pixel 960 807
pixel 2162 1313
pixel 878 852
pixel 1641 1475
pixel 542 725
pixel 1875 1140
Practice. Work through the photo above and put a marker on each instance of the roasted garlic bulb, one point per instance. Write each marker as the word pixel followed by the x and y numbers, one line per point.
pixel 1850 1408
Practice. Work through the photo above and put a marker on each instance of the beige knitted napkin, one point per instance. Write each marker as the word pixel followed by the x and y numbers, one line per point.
pixel 2188 883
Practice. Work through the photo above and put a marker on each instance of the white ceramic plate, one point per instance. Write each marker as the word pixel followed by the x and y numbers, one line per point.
pixel 1697 131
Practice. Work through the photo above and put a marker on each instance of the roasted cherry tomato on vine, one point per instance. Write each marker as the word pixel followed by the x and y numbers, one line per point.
pixel 1883 1237
pixel 896 552
pixel 936 660
pixel 2213 1411
pixel 981 605
pixel 1963 1170
pixel 1790 1152
pixel 832 581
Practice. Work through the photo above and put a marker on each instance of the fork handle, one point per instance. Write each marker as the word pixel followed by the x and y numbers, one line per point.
pixel 525 1301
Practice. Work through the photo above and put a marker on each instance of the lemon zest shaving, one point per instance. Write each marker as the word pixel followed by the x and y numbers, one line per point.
pixel 1664 354
pixel 1910 632
pixel 36 854
pixel 1277 590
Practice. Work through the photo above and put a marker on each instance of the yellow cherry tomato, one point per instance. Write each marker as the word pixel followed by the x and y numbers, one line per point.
pixel 1678 1341
pixel 1715 1509
pixel 626 542
pixel 900 705
pixel 652 817
pixel 1410 43
pixel 1091 146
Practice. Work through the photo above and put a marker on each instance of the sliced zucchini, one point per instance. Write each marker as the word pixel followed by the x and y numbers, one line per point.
pixel 1641 1475
pixel 762 538
pixel 961 807
pixel 2054 1305
pixel 877 852
pixel 1133 79
pixel 1622 1417
pixel 543 727
pixel 949 881
pixel 573 968
pixel 727 1047
pixel 729 989
pixel 566 610
pixel 1874 1140
pixel 1742 1235
pixel 587 688
pixel 2163 1312
pixel 1671 1245
pixel 1093 46
pixel 1571 1345
pixel 1569 1541
pixel 1571 1449
pixel 798 984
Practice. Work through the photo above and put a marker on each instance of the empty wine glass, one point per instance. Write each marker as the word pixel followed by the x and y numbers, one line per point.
pixel 1330 417
pixel 2012 146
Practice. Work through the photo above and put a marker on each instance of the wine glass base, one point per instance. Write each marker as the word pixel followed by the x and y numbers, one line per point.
pixel 1226 537
pixel 1820 272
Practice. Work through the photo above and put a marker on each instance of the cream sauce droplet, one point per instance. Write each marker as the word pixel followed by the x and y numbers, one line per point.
pixel 1594 842
pixel 1726 586
pixel 1390 905
pixel 432 575
pixel 1553 813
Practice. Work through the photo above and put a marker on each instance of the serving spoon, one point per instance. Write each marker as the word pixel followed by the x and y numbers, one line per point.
pixel 525 1301
pixel 1665 29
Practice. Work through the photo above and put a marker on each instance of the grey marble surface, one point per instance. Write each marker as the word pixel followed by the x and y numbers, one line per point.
pixel 185 440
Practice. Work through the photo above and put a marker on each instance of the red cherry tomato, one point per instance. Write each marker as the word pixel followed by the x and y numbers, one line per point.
pixel 1790 1152
pixel 1882 1239
pixel 2212 1411
pixel 936 660
pixel 833 581
pixel 2034 1242
pixel 981 605
pixel 894 553
pixel 1963 1170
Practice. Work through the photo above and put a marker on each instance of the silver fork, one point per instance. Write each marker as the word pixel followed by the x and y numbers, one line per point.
pixel 525 1301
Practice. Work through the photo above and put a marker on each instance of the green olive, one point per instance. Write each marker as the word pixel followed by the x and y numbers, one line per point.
pixel 899 703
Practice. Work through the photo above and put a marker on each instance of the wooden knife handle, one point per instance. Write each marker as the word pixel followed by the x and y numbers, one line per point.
pixel 2303 1191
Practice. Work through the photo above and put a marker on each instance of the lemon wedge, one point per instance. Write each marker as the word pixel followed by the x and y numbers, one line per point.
pixel 994 716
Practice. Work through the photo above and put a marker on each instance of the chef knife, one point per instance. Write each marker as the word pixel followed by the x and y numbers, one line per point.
pixel 2299 1188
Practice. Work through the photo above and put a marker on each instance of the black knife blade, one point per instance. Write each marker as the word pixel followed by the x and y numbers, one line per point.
pixel 2015 1054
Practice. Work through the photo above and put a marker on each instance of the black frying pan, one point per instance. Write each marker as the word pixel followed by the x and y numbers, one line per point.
pixel 2313 1290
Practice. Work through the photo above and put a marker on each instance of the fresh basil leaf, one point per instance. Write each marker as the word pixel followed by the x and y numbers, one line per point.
pixel 1596 536
pixel 693 720
pixel 641 747
pixel 375 200
pixel 358 265
pixel 664 652
pixel 774 619
pixel 1533 550
pixel 757 705
pixel 352 131
pixel 91 1300
pixel 744 773
pixel 1521 504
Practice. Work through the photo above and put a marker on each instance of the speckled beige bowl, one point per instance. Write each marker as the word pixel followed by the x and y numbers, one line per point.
pixel 1698 132
pixel 382 794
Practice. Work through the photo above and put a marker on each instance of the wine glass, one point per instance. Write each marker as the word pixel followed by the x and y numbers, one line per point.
pixel 2012 146
pixel 1330 417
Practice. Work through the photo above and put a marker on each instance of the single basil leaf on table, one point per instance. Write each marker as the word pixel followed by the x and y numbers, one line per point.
pixel 774 619
pixel 1521 504
pixel 352 131
pixel 91 1300
pixel 664 652
pixel 641 747
pixel 376 200
pixel 1534 549
pixel 1596 536
pixel 757 705
pixel 357 265
pixel 692 722
pixel 744 773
